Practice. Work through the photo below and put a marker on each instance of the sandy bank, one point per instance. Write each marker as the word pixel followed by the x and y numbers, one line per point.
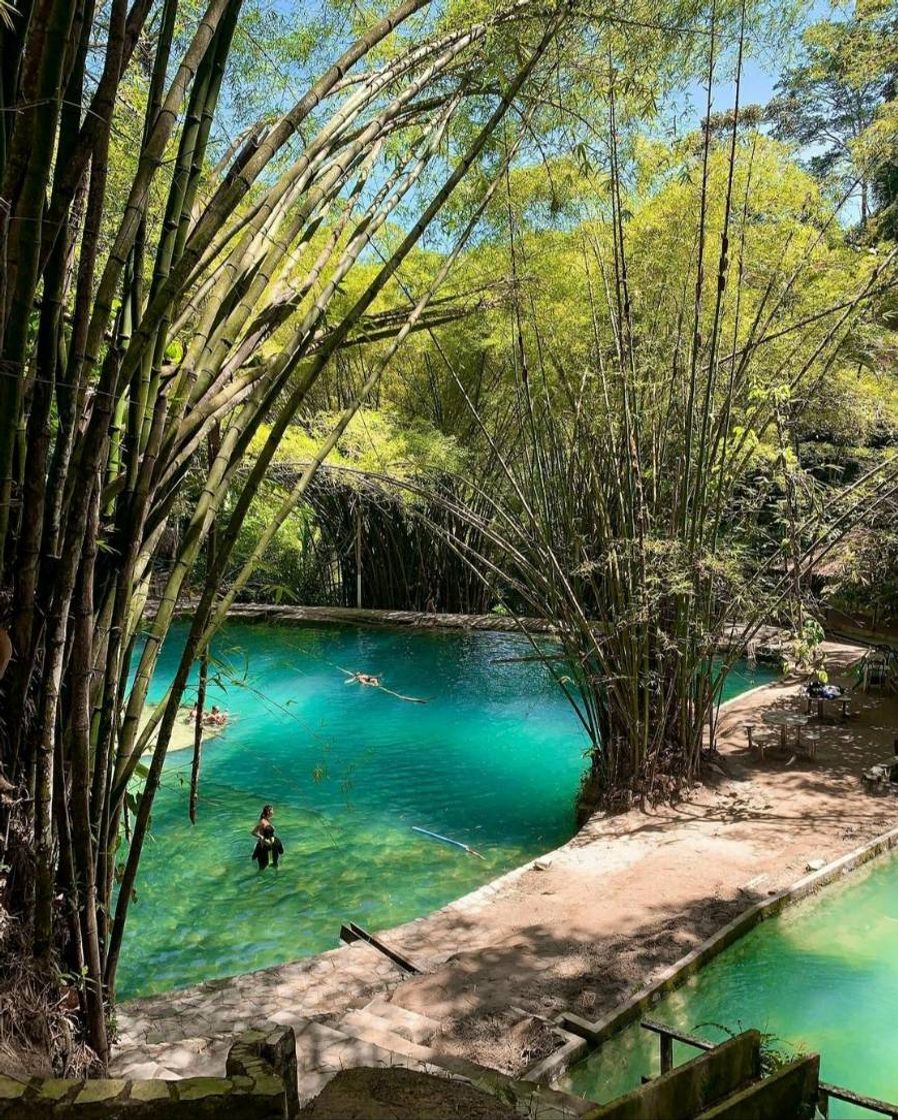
pixel 182 733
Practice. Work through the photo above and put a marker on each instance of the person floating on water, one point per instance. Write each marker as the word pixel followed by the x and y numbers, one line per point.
pixel 373 681
pixel 364 678
pixel 268 845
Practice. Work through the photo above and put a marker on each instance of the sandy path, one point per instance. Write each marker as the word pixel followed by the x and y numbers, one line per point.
pixel 626 897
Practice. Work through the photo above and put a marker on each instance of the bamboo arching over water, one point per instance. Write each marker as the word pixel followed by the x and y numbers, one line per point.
pixel 201 295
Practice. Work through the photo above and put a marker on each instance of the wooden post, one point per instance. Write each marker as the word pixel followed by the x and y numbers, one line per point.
pixel 666 1053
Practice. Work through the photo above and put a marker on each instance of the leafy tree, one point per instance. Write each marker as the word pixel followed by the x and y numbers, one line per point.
pixel 653 495
pixel 828 103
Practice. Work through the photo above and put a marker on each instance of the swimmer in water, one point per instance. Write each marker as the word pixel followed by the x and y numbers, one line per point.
pixel 364 678
pixel 216 718
pixel 268 845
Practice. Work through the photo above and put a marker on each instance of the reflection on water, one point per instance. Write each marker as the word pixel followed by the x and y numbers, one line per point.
pixel 492 759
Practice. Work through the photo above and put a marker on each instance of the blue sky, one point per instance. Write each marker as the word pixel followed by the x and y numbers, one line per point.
pixel 763 65
pixel 760 73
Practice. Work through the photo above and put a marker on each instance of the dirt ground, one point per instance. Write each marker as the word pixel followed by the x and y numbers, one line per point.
pixel 631 894
pixel 402 1094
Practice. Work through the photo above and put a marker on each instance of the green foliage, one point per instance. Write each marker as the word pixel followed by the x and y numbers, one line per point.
pixel 377 442
pixel 805 651
pixel 288 573
pixel 866 575
pixel 838 102
pixel 782 226
pixel 775 1053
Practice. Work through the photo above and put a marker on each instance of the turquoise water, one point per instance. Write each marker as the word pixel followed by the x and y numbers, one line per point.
pixel 820 977
pixel 493 759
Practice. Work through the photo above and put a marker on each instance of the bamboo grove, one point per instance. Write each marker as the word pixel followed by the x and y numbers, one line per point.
pixel 652 504
pixel 134 348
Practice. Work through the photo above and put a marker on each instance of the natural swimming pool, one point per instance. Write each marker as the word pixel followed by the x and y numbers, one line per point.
pixel 820 977
pixel 493 759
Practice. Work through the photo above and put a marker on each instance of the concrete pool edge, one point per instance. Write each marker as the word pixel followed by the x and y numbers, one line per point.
pixel 593 1033
pixel 768 650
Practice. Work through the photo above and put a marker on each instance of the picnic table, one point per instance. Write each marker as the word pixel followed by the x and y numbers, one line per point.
pixel 785 720
pixel 843 700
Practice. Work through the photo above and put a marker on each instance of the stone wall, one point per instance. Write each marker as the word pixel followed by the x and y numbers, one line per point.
pixel 282 615
pixel 259 1084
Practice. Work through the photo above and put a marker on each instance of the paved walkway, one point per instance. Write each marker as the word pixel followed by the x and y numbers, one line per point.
pixel 169 1030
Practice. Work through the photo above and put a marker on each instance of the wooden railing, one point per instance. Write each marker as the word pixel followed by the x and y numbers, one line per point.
pixel 668 1035
pixel 834 1092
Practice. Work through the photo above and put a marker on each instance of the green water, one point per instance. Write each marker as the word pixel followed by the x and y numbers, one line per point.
pixel 822 977
pixel 492 759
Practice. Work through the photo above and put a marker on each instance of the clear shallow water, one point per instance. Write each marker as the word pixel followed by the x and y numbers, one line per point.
pixel 821 977
pixel 493 759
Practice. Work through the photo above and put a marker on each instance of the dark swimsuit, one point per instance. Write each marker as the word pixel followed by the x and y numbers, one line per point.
pixel 268 847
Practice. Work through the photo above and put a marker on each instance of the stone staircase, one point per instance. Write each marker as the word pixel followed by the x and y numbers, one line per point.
pixel 380 1035
pixel 384 1035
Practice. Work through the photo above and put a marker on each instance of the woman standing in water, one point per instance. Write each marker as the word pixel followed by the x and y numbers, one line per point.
pixel 268 846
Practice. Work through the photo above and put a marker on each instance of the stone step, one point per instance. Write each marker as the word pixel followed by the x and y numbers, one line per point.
pixel 185 1057
pixel 371 1028
pixel 409 1024
pixel 323 1051
pixel 337 1047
